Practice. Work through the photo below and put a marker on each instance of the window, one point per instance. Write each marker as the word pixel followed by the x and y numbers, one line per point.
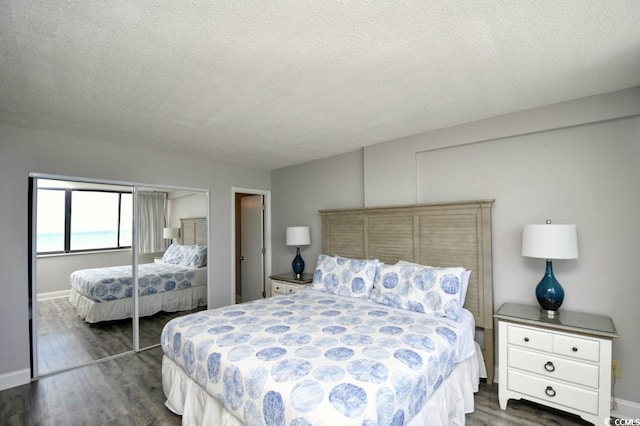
pixel 72 220
pixel 50 221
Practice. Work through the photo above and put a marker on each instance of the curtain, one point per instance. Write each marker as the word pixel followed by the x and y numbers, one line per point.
pixel 151 220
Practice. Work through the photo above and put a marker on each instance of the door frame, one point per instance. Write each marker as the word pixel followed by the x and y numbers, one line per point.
pixel 266 237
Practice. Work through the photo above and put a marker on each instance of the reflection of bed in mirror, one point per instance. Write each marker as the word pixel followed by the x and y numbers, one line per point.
pixel 105 294
pixel 176 282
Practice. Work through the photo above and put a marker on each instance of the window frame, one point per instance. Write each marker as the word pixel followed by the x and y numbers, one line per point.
pixel 68 194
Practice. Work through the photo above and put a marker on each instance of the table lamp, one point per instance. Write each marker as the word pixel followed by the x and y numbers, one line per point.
pixel 550 241
pixel 170 234
pixel 298 236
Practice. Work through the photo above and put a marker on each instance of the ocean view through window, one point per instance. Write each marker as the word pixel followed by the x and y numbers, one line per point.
pixel 81 219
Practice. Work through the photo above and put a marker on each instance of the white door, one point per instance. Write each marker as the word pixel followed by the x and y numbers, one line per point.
pixel 252 256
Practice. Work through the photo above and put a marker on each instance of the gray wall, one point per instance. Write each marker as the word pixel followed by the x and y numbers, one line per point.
pixel 23 151
pixel 298 192
pixel 575 162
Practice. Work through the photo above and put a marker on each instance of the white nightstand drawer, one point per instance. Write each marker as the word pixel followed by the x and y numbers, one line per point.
pixel 554 367
pixel 277 287
pixel 555 392
pixel 282 287
pixel 528 338
pixel 291 288
pixel 576 347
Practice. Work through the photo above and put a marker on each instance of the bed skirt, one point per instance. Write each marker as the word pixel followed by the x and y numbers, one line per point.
pixel 169 301
pixel 447 407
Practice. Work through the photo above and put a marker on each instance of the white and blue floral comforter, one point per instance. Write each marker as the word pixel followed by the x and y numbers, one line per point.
pixel 314 358
pixel 115 282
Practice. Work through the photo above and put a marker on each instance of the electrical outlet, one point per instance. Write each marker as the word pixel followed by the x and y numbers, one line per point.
pixel 616 369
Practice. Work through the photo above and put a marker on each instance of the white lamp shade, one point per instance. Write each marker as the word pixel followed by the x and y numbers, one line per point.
pixel 550 241
pixel 298 236
pixel 170 233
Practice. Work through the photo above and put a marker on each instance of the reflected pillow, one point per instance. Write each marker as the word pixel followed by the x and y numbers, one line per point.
pixel 194 256
pixel 173 254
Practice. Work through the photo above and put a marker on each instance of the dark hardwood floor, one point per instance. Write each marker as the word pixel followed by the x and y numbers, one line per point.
pixel 65 340
pixel 128 391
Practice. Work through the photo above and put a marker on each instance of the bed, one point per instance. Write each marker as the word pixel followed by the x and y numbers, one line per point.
pixel 369 352
pixel 177 282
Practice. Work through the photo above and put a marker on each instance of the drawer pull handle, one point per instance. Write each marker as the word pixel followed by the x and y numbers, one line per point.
pixel 526 339
pixel 574 349
pixel 550 391
pixel 550 367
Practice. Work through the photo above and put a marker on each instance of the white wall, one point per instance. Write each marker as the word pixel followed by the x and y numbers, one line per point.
pixel 23 151
pixel 188 206
pixel 575 162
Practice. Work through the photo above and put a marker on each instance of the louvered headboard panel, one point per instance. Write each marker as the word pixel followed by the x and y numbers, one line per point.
pixel 448 234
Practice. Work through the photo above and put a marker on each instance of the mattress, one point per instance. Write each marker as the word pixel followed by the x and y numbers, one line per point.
pixel 115 282
pixel 173 301
pixel 317 358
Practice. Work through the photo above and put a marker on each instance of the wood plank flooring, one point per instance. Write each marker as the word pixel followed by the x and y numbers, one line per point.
pixel 65 340
pixel 128 391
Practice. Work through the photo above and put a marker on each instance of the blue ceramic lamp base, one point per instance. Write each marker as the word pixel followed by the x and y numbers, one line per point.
pixel 298 264
pixel 549 292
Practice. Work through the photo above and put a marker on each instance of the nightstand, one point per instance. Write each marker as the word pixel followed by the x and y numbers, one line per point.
pixel 287 283
pixel 562 362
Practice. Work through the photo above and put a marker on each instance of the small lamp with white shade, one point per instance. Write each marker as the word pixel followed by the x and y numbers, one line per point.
pixel 550 241
pixel 298 236
pixel 171 234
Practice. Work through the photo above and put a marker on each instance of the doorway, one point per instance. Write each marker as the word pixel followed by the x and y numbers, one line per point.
pixel 251 244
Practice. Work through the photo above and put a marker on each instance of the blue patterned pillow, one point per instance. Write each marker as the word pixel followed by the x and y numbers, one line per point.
pixel 465 279
pixel 194 256
pixel 344 276
pixel 418 288
pixel 173 254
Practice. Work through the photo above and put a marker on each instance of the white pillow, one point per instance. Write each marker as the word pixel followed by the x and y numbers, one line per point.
pixel 420 288
pixel 344 276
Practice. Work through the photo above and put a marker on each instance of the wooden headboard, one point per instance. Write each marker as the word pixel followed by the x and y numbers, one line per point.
pixel 194 230
pixel 448 234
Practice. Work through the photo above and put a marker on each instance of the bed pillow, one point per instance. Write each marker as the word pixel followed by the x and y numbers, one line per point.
pixel 194 256
pixel 465 279
pixel 344 276
pixel 325 265
pixel 173 254
pixel 418 288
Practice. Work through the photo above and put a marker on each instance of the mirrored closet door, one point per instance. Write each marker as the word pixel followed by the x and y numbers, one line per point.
pixel 99 285
pixel 174 284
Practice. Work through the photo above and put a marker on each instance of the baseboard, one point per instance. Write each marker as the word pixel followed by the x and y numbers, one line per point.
pixel 626 410
pixel 15 378
pixel 53 295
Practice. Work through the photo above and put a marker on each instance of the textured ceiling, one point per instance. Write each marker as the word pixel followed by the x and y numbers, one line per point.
pixel 274 83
